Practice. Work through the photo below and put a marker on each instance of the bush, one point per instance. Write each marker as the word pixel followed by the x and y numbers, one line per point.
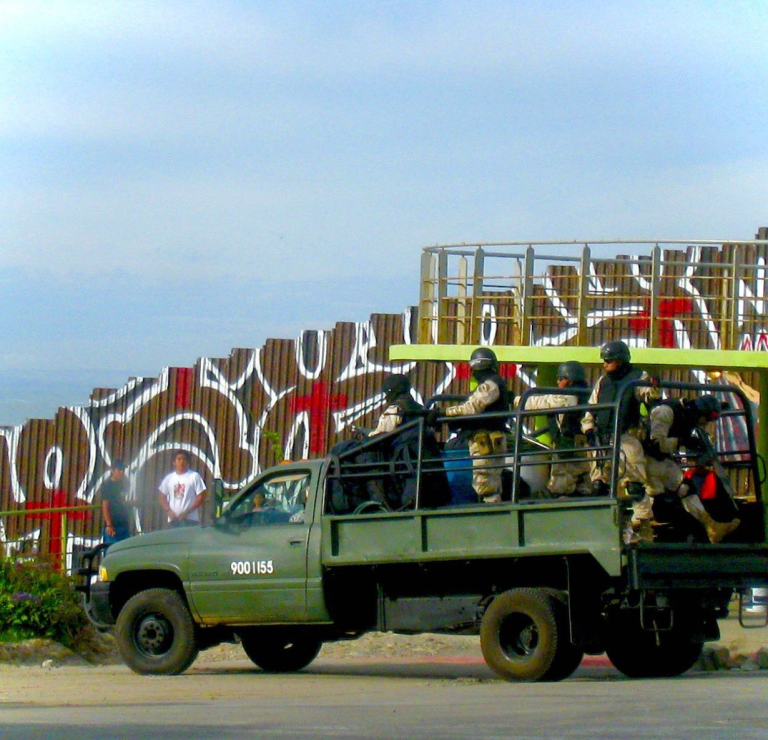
pixel 38 601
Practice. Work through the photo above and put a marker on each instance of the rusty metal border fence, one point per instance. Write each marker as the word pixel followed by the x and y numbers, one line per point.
pixel 308 392
pixel 525 293
pixel 53 534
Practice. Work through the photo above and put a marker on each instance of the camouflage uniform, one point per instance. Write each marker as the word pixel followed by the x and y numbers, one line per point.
pixel 486 479
pixel 564 477
pixel 390 419
pixel 664 474
pixel 632 462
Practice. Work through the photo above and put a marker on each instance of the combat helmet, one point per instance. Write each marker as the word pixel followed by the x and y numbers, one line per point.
pixel 483 358
pixel 573 371
pixel 395 385
pixel 708 407
pixel 615 350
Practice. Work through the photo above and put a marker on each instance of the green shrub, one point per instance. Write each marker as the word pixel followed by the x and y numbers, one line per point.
pixel 38 601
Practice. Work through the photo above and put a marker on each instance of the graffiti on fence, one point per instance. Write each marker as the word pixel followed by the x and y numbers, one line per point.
pixel 309 391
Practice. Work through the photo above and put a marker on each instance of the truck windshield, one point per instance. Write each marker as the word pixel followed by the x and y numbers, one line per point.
pixel 279 499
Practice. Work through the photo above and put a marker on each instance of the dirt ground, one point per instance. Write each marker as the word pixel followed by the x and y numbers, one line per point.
pixel 385 645
pixel 374 645
pixel 377 645
pixel 69 682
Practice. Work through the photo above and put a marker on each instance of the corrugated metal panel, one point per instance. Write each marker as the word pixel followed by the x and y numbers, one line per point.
pixel 311 390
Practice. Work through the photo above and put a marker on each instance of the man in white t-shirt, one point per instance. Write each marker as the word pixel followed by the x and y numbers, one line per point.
pixel 182 493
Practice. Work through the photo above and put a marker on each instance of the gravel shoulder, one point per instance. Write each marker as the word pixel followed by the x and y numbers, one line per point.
pixel 101 650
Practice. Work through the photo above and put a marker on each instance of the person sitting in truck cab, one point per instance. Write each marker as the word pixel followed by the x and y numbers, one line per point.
pixel 598 427
pixel 300 512
pixel 676 424
pixel 570 475
pixel 486 436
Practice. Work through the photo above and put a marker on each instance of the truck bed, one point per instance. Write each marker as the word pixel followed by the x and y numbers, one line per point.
pixel 476 532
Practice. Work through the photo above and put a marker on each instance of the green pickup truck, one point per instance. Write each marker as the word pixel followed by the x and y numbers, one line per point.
pixel 326 550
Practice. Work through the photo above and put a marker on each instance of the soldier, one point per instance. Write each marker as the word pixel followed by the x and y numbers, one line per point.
pixel 404 448
pixel 598 426
pixel 486 436
pixel 565 429
pixel 400 404
pixel 676 423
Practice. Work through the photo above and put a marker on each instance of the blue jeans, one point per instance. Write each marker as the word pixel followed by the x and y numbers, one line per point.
pixel 121 533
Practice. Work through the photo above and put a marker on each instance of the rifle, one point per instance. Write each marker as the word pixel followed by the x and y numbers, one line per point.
pixel 711 458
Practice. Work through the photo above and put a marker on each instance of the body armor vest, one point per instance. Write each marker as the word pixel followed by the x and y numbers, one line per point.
pixel 610 389
pixel 681 429
pixel 570 425
pixel 407 406
pixel 500 404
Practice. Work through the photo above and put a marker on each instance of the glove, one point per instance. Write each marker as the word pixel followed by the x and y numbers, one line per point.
pixel 591 436
pixel 694 444
pixel 431 418
pixel 652 449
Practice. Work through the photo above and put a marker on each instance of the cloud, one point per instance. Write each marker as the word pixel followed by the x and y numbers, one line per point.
pixel 297 155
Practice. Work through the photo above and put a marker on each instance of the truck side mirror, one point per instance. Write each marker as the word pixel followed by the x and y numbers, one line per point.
pixel 218 496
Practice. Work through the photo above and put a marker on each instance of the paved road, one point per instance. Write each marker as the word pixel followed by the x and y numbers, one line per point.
pixel 365 700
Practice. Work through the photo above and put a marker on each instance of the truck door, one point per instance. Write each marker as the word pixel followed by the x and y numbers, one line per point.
pixel 251 565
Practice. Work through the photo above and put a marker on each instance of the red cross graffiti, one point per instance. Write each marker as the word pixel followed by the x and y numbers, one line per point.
pixel 319 403
pixel 507 370
pixel 59 500
pixel 669 309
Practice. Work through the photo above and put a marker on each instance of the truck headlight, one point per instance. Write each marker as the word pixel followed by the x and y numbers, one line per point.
pixel 103 575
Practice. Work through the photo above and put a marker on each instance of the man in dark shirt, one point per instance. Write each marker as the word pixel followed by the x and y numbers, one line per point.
pixel 113 506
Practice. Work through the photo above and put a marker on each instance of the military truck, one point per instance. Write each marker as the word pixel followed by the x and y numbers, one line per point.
pixel 380 538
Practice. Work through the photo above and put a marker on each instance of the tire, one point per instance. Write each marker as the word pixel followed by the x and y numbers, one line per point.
pixel 569 656
pixel 637 654
pixel 524 637
pixel 156 634
pixel 280 653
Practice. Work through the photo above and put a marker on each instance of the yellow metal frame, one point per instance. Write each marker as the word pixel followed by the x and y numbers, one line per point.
pixel 546 359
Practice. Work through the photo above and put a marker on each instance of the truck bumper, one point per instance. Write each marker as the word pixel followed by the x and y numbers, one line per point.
pixel 97 607
pixel 699 566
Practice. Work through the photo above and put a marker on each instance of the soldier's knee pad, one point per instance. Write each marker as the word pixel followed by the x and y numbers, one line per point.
pixel 635 490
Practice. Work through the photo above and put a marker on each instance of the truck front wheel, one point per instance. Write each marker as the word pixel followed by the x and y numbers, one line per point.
pixel 156 633
pixel 280 652
pixel 524 637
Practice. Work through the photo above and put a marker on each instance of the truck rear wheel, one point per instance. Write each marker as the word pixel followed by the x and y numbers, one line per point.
pixel 524 637
pixel 156 633
pixel 638 653
pixel 280 653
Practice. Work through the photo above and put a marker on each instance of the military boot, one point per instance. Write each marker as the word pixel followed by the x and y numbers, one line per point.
pixel 716 531
pixel 635 490
pixel 644 530
pixel 599 488
pixel 637 531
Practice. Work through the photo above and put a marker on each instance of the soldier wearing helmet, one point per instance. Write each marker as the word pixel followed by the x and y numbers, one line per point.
pixel 676 424
pixel 400 404
pixel 487 437
pixel 598 425
pixel 566 476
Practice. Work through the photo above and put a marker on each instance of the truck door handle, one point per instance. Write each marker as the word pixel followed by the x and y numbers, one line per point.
pixel 297 541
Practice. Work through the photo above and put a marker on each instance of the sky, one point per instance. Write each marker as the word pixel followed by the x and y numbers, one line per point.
pixel 181 178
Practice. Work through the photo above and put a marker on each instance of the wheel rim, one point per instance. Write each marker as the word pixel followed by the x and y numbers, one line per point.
pixel 518 637
pixel 153 635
